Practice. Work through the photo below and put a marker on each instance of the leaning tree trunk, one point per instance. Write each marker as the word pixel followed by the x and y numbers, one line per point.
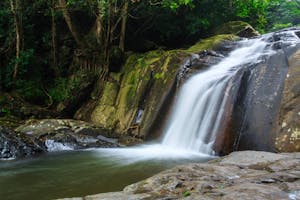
pixel 71 26
pixel 123 25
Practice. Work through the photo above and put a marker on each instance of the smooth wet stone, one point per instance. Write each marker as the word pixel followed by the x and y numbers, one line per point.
pixel 16 145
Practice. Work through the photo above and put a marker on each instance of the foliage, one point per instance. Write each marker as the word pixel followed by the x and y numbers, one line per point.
pixel 186 193
pixel 151 25
pixel 63 88
pixel 282 14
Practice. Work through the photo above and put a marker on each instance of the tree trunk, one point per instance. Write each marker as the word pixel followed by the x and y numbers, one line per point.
pixel 99 25
pixel 107 43
pixel 67 17
pixel 123 26
pixel 53 35
pixel 16 10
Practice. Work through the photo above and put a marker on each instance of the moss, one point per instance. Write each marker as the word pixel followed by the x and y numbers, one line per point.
pixel 115 76
pixel 232 27
pixel 210 43
pixel 159 75
pixel 104 115
pixel 109 94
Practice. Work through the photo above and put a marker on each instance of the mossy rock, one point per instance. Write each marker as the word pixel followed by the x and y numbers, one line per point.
pixel 239 28
pixel 104 115
pixel 110 94
pixel 211 43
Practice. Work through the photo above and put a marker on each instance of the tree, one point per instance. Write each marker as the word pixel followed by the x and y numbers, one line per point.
pixel 16 9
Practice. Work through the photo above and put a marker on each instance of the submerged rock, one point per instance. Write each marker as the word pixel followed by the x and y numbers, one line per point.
pixel 241 175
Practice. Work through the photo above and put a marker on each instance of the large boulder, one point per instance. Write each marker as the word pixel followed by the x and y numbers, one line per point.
pixel 241 175
pixel 239 28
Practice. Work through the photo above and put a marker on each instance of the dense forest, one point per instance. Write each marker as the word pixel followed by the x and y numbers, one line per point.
pixel 45 43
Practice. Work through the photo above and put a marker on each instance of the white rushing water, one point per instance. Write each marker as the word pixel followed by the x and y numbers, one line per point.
pixel 198 110
pixel 53 146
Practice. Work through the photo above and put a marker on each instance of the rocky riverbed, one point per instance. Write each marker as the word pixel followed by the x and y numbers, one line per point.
pixel 240 175
pixel 39 136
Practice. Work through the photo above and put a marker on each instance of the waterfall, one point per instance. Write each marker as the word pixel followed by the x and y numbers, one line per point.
pixel 196 118
pixel 198 110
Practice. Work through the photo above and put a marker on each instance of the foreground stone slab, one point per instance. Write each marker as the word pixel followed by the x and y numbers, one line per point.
pixel 240 175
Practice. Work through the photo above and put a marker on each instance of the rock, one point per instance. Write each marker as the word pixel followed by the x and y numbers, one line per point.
pixel 288 136
pixel 16 145
pixel 232 177
pixel 64 134
pixel 251 158
pixel 238 28
pixel 130 141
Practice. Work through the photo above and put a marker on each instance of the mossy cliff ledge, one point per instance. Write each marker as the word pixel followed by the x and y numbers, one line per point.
pixel 130 102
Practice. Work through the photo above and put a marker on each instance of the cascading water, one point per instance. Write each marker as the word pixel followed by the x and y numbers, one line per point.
pixel 200 104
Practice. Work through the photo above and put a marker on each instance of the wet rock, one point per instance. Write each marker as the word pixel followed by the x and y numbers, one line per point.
pixel 288 136
pixel 263 110
pixel 236 180
pixel 16 145
pixel 64 134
